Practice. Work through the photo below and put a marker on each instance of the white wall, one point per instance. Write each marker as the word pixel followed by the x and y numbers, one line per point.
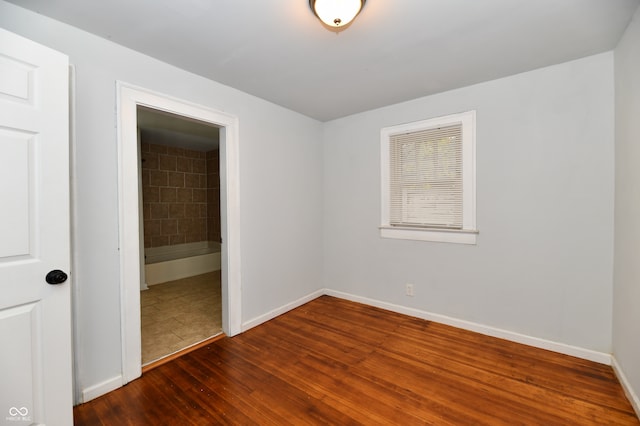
pixel 281 217
pixel 626 295
pixel 545 184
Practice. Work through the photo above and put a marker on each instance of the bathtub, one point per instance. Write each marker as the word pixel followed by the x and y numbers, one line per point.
pixel 170 263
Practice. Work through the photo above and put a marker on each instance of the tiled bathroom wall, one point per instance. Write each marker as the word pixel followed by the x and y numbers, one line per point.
pixel 175 195
pixel 213 195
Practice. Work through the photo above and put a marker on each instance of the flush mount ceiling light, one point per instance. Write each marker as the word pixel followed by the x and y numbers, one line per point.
pixel 336 13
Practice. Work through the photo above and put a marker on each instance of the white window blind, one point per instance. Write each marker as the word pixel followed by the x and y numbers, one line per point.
pixel 426 186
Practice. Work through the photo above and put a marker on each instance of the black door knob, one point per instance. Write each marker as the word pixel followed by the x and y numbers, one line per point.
pixel 56 277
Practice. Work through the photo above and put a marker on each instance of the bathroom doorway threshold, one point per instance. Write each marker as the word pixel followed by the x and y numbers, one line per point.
pixel 157 363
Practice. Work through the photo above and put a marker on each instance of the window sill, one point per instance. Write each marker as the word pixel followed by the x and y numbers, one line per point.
pixel 465 236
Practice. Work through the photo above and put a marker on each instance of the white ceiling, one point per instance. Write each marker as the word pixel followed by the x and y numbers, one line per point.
pixel 396 50
pixel 163 128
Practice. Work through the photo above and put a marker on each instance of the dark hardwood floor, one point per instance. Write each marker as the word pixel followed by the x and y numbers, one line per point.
pixel 336 362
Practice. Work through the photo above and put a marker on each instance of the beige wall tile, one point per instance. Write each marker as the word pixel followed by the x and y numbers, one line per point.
pixel 175 195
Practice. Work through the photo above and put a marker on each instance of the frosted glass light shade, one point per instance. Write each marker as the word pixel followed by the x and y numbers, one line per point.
pixel 336 13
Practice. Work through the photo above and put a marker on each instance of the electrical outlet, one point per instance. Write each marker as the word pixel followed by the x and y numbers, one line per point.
pixel 408 289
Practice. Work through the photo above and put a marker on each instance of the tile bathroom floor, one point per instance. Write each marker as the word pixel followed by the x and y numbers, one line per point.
pixel 178 314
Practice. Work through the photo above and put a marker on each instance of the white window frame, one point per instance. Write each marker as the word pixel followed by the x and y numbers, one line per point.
pixel 468 233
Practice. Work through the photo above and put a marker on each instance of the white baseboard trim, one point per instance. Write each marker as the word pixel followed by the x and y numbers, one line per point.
pixel 102 388
pixel 626 386
pixel 599 357
pixel 281 310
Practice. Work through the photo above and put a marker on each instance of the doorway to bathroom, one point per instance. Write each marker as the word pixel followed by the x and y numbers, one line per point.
pixel 216 258
pixel 180 303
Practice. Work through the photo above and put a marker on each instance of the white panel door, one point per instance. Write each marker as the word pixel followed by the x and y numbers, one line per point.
pixel 35 316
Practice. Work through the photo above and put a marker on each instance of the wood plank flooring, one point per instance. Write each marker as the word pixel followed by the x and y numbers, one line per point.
pixel 337 362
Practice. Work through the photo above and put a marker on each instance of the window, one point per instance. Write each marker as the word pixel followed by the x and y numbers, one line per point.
pixel 428 180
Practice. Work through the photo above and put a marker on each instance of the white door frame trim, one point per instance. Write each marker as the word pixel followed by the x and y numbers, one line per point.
pixel 128 98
